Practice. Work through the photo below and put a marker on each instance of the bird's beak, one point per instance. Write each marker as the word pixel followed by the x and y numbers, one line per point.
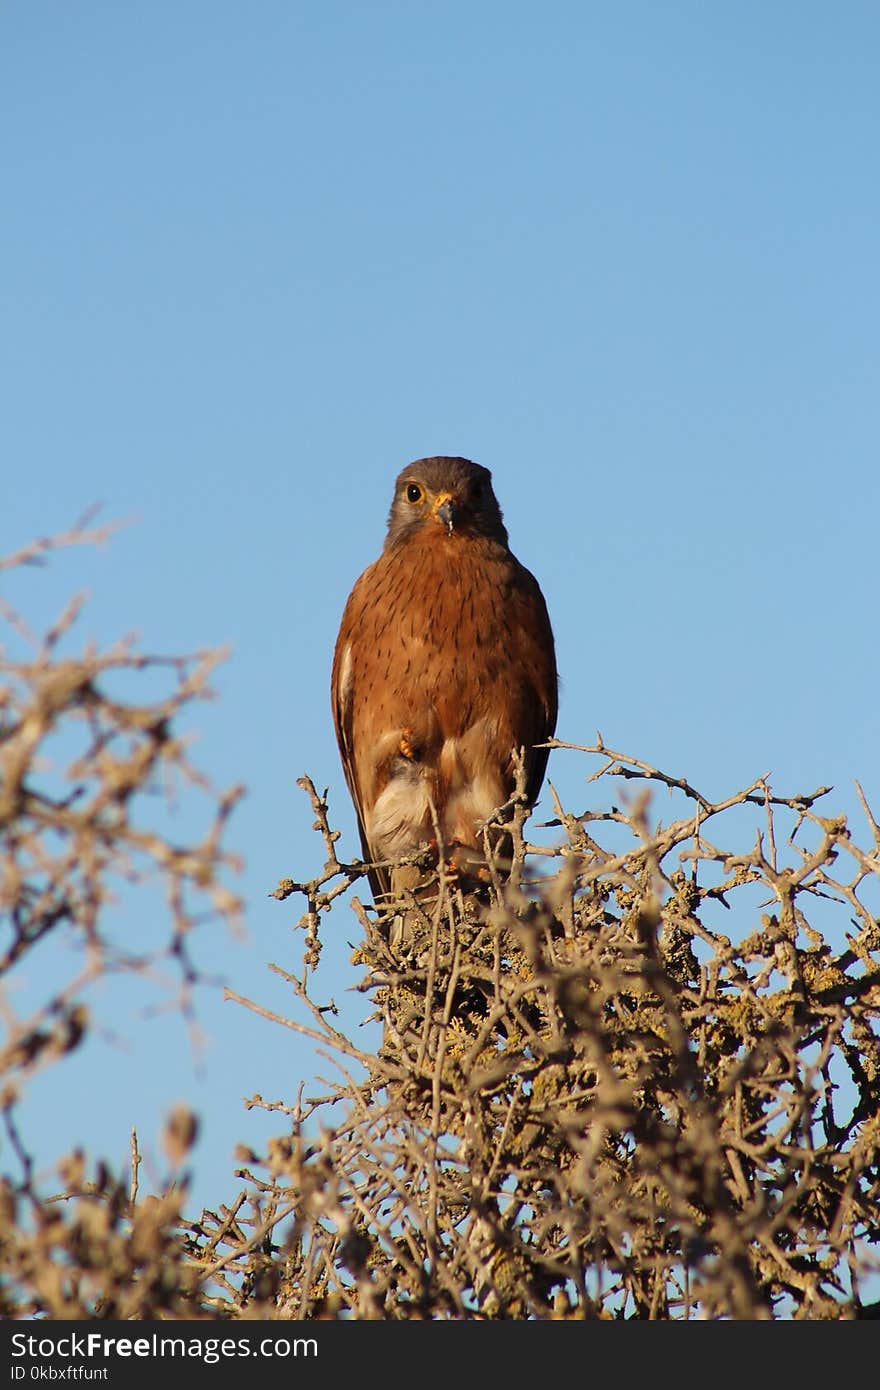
pixel 446 509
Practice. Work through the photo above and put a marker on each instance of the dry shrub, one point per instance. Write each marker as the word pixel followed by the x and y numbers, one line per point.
pixel 85 774
pixel 638 1076
pixel 591 1101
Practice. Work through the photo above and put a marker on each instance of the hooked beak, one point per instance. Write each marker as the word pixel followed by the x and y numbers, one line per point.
pixel 447 510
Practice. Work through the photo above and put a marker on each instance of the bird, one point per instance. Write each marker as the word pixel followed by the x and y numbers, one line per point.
pixel 444 671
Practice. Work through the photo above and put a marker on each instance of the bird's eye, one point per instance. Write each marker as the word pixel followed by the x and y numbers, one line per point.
pixel 414 493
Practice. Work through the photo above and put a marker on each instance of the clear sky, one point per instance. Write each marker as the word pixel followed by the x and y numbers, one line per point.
pixel 255 258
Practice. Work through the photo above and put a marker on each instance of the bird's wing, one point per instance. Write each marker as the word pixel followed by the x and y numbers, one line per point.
pixel 537 659
pixel 342 693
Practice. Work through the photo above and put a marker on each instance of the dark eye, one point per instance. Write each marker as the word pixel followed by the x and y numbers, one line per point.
pixel 414 493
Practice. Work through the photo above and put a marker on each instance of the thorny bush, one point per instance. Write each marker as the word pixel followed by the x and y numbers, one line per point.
pixel 637 1076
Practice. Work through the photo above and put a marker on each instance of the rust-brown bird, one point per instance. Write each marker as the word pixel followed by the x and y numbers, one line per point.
pixel 444 669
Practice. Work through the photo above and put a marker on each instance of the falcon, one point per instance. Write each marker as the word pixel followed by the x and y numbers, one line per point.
pixel 444 670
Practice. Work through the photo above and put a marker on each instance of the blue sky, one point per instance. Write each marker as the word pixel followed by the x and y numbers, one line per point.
pixel 255 259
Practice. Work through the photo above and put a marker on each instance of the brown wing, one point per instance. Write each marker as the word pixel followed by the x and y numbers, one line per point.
pixel 536 658
pixel 342 703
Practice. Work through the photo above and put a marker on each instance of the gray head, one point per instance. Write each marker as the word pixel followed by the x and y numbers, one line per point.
pixel 449 492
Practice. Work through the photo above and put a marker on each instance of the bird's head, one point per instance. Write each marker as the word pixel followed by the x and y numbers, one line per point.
pixel 452 494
